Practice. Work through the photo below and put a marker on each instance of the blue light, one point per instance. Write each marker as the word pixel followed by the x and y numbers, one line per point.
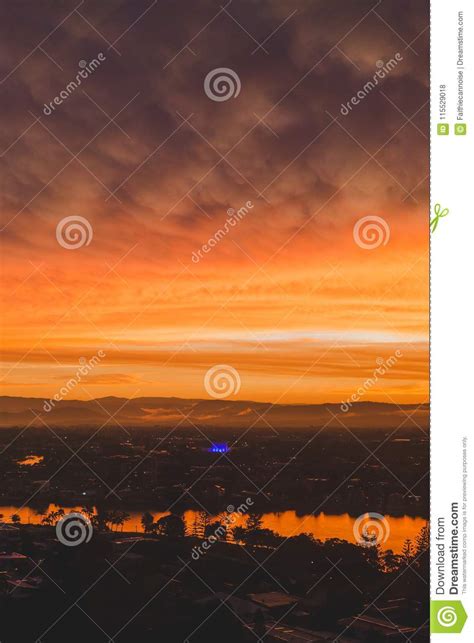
pixel 220 447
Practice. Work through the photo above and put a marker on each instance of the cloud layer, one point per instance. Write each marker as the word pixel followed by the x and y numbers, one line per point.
pixel 286 296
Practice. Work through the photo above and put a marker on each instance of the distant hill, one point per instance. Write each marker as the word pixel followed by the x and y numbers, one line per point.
pixel 169 411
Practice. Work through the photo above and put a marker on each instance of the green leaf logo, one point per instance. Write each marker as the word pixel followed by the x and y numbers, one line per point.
pixel 447 617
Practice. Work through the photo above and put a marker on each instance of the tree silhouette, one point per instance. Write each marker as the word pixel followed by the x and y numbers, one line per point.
pixel 171 526
pixel 390 561
pixel 88 512
pixel 217 529
pixel 238 534
pixel 196 528
pixel 254 521
pixel 118 518
pixel 52 517
pixel 422 541
pixel 204 521
pixel 408 552
pixel 147 522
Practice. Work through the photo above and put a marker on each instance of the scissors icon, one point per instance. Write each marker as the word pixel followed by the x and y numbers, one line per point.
pixel 439 214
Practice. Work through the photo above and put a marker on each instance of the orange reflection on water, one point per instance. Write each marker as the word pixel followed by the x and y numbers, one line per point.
pixel 286 523
pixel 30 460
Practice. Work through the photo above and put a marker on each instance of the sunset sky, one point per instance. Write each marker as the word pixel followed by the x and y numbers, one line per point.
pixel 287 297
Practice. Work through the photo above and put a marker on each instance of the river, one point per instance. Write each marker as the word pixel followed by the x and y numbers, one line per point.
pixel 285 523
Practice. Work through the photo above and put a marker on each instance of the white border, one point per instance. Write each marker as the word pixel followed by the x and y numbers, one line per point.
pixel 452 273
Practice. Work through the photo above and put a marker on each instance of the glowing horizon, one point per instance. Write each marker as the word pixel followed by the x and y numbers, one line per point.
pixel 284 294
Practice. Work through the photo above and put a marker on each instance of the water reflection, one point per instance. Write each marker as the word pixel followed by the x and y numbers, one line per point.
pixel 286 523
pixel 31 460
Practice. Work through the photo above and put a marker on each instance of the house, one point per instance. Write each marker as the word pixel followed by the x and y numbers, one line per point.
pixel 12 561
pixel 277 603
